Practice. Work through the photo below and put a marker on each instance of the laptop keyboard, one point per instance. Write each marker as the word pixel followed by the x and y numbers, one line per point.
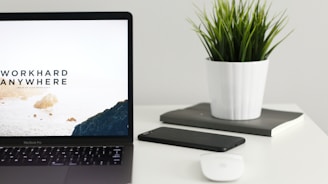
pixel 60 156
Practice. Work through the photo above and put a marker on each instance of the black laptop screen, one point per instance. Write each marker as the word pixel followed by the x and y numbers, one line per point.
pixel 64 78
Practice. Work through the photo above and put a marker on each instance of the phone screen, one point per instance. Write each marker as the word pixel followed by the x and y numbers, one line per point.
pixel 192 139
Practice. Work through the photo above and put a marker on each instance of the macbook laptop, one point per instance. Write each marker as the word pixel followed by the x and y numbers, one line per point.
pixel 66 103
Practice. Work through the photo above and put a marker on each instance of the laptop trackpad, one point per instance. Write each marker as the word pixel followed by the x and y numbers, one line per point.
pixel 33 175
pixel 96 174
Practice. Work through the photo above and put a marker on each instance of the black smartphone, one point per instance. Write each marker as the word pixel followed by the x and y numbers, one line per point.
pixel 192 139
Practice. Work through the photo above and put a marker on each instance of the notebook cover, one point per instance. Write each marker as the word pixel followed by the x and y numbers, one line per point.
pixel 269 123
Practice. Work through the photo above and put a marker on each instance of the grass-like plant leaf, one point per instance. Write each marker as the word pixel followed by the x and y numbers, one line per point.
pixel 239 31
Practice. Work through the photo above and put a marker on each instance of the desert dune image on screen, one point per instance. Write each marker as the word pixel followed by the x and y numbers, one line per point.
pixel 63 78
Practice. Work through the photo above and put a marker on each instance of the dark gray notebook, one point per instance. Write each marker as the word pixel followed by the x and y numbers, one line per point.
pixel 270 123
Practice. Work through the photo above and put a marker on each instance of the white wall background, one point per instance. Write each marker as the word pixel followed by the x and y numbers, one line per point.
pixel 168 56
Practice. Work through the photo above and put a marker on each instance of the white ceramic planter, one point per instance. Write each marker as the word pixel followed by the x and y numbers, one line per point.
pixel 237 88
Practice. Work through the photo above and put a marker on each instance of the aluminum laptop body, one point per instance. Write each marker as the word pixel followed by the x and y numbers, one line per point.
pixel 66 82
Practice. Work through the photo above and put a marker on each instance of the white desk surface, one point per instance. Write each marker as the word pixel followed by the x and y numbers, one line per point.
pixel 298 155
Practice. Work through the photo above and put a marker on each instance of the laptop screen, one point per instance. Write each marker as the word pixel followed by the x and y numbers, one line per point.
pixel 64 75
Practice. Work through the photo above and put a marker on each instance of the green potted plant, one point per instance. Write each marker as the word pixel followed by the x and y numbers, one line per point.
pixel 238 37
